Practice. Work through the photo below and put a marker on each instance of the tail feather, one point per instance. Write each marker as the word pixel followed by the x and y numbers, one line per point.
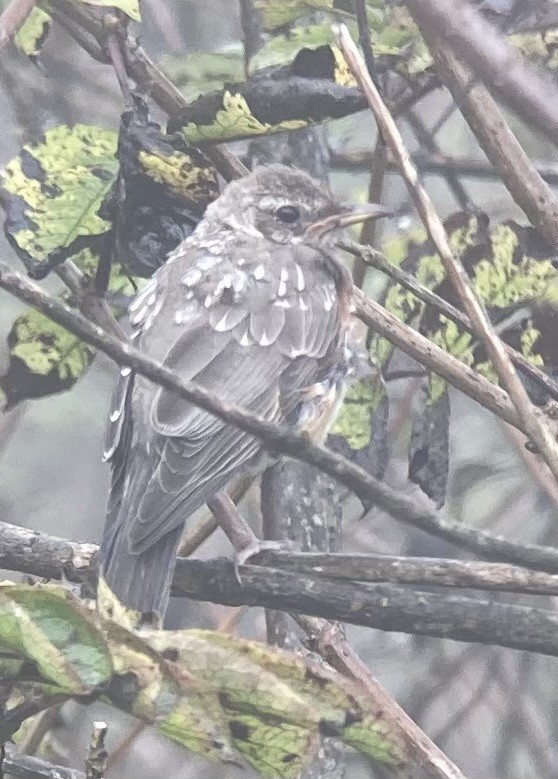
pixel 140 582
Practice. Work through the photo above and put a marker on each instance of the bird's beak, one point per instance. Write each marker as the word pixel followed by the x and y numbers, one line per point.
pixel 348 214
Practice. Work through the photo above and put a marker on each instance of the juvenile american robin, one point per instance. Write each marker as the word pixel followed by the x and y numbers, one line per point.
pixel 254 306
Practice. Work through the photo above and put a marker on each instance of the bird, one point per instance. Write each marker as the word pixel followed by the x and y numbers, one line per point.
pixel 255 305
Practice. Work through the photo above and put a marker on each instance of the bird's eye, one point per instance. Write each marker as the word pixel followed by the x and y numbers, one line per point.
pixel 288 214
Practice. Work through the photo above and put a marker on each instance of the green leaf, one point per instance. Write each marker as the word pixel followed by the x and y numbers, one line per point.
pixel 46 626
pixel 33 32
pixel 279 13
pixel 277 705
pixel 206 691
pixel 130 7
pixel 53 191
pixel 44 358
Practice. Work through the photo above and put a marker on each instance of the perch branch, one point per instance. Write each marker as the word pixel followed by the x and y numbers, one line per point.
pixel 283 440
pixel 50 557
pixel 381 606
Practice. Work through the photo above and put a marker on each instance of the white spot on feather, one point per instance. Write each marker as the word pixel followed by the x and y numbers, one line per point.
pixel 259 272
pixel 300 282
pixel 192 277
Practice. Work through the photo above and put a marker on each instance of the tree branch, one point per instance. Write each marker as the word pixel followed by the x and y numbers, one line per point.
pixel 283 440
pixel 12 17
pixel 536 427
pixel 434 163
pixel 422 571
pixel 528 91
pixel 496 139
pixel 381 606
pixel 377 260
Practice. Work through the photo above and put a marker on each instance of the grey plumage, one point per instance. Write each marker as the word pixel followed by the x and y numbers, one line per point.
pixel 250 309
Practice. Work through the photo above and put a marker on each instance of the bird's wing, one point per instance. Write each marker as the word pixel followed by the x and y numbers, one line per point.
pixel 259 335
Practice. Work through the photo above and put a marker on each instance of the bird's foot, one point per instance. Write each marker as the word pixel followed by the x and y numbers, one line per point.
pixel 254 548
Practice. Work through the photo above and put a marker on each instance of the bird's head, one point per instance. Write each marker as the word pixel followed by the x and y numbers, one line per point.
pixel 286 205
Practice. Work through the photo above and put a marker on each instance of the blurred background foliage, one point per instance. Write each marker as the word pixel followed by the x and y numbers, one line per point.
pixel 493 711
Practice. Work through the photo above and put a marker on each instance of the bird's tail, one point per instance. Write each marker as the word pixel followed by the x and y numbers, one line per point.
pixel 134 588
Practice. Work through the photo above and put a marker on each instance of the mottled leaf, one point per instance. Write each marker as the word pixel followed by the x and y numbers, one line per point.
pixel 207 691
pixel 514 272
pixel 53 191
pixel 48 628
pixel 280 13
pixel 33 32
pixel 429 446
pixel 44 358
pixel 360 430
pixel 284 691
pixel 163 189
pixel 130 7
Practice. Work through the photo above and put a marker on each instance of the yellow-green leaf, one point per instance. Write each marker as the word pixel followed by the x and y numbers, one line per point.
pixel 130 7
pixel 33 32
pixel 53 190
pixel 235 120
pixel 278 13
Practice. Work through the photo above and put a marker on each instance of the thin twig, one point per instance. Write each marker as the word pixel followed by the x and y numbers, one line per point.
pixel 96 760
pixel 377 260
pixel 12 17
pixel 535 427
pixel 331 644
pixel 431 163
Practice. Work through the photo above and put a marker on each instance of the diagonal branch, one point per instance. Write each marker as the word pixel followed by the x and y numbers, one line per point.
pixel 529 92
pixel 12 17
pixel 377 260
pixel 536 428
pixel 283 440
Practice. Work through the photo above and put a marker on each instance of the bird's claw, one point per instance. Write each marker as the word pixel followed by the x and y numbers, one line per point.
pixel 251 550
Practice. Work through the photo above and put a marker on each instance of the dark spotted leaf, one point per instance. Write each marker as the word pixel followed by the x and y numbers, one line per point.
pixel 429 446
pixel 360 430
pixel 163 189
pixel 32 34
pixel 265 106
pixel 514 272
pixel 53 192
pixel 209 692
pixel 44 358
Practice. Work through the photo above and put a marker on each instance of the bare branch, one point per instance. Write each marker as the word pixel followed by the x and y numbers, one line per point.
pixel 527 90
pixel 12 17
pixel 536 428
pixel 423 571
pixel 285 441
pixel 377 260
pixel 432 163
pixel 496 139
pixel 381 606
